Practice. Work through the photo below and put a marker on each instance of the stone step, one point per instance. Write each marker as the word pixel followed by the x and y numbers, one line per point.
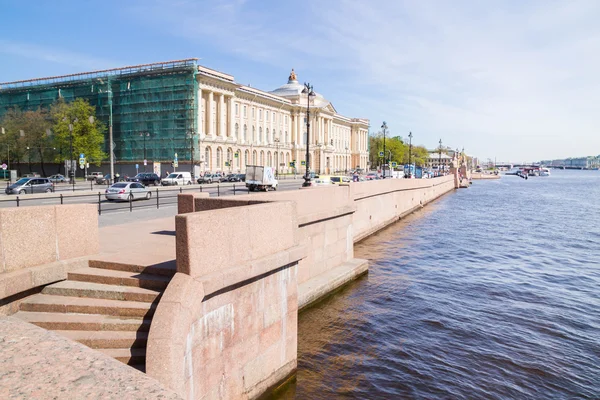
pixel 83 322
pixel 101 291
pixel 165 269
pixel 122 278
pixel 131 356
pixel 82 305
pixel 107 339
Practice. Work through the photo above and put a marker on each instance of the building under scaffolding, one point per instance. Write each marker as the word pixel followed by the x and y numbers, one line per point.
pixel 151 108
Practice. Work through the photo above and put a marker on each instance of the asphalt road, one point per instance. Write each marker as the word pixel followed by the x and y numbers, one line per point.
pixel 112 212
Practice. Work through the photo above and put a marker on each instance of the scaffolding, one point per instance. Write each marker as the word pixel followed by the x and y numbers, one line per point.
pixel 152 108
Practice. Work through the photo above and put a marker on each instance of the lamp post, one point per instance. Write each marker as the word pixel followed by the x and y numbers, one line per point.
pixel 145 135
pixel 71 169
pixel 190 136
pixel 276 140
pixel 384 128
pixel 308 91
pixel 440 161
pixel 346 159
pixel 410 135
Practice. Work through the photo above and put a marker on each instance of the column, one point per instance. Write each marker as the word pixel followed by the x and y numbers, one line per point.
pixel 221 126
pixel 209 115
pixel 299 133
pixel 231 111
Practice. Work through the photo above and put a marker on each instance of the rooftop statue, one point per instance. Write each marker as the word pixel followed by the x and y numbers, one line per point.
pixel 293 76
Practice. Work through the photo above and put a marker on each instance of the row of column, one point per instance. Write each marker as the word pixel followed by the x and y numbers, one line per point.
pixel 320 129
pixel 218 113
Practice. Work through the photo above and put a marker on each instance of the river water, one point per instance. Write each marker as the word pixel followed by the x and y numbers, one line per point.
pixel 491 292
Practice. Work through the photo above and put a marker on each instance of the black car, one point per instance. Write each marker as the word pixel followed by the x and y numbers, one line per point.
pixel 146 179
pixel 105 180
pixel 237 178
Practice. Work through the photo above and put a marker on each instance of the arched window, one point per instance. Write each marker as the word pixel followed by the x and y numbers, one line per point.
pixel 269 159
pixel 245 132
pixel 246 157
pixel 237 159
pixel 262 157
pixel 260 136
pixel 230 157
pixel 237 129
pixel 219 158
pixel 254 157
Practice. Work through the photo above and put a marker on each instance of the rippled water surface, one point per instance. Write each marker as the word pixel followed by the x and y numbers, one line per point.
pixel 491 292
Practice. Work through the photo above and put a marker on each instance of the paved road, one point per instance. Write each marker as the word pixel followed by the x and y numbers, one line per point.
pixel 115 212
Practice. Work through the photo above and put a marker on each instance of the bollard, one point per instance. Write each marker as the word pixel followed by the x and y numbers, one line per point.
pixel 130 201
pixel 91 185
pixel 234 189
pixel 99 202
pixel 180 190
pixel 200 188
pixel 17 201
pixel 157 203
pixel 61 199
pixel 218 191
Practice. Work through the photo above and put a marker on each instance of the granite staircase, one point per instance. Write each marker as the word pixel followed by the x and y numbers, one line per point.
pixel 107 306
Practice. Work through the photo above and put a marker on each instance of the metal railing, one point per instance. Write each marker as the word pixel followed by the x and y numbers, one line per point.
pixel 157 198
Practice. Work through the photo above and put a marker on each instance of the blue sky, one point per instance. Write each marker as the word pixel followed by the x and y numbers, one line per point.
pixel 515 80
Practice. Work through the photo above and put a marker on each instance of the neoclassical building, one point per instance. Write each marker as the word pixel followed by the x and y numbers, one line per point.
pixel 239 125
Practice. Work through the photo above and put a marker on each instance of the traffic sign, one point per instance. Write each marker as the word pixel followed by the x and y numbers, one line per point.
pixel 302 162
pixel 175 164
pixel 381 154
pixel 82 166
pixel 4 166
pixel 145 162
pixel 82 162
pixel 394 164
pixel 176 156
pixel 81 155
pixel 227 163
pixel 137 166
pixel 87 165
pixel 237 155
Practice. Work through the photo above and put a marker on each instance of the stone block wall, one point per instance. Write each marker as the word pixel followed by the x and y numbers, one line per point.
pixel 226 326
pixel 39 245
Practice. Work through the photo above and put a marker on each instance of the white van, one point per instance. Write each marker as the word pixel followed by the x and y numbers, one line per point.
pixel 177 178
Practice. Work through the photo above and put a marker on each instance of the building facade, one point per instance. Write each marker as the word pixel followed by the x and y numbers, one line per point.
pixel 434 160
pixel 240 125
pixel 179 109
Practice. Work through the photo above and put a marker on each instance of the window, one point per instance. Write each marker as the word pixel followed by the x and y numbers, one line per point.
pixel 237 130
pixel 245 133
pixel 260 115
pixel 274 117
pixel 252 112
pixel 260 136
pixel 267 138
pixel 246 157
pixel 219 156
pixel 286 119
pixel 267 115
pixel 286 138
pixel 245 114
pixel 254 157
pixel 253 134
pixel 237 110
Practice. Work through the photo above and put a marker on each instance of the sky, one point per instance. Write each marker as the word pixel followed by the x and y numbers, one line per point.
pixel 507 80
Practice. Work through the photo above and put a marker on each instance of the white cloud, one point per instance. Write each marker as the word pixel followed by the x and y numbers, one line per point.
pixel 508 79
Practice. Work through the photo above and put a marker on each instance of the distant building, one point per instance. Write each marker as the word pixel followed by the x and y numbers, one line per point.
pixel 591 162
pixel 434 160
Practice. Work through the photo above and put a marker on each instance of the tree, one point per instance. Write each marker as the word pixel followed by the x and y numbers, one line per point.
pixel 88 132
pixel 394 146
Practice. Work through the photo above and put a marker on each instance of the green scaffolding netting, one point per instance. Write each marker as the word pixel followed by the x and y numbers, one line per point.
pixel 159 102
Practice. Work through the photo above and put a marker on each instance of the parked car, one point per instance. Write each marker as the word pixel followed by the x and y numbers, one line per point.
pixel 209 178
pixel 104 180
pixel 57 178
pixel 237 178
pixel 146 179
pixel 127 191
pixel 30 185
pixel 92 176
pixel 177 178
pixel 340 179
pixel 32 175
pixel 371 176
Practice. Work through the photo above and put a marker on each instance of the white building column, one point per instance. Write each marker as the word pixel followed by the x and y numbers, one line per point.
pixel 201 118
pixel 221 119
pixel 299 130
pixel 209 115
pixel 231 111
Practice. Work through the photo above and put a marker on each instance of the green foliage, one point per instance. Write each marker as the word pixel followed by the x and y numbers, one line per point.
pixel 87 135
pixel 399 151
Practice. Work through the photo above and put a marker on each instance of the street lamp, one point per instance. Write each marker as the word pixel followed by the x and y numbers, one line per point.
pixel 384 128
pixel 346 159
pixel 308 91
pixel 410 135
pixel 145 135
pixel 440 161
pixel 190 136
pixel 276 140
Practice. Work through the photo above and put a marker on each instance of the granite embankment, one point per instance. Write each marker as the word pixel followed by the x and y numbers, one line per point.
pixel 215 315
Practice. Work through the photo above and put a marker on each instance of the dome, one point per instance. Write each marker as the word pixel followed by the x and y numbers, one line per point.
pixel 293 89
